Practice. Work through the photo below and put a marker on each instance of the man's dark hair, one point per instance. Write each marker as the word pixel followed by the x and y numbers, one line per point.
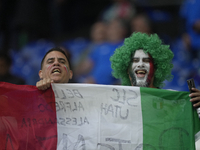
pixel 58 50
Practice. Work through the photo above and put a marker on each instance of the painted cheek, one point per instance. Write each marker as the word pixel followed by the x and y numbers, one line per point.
pixel 66 68
pixel 131 68
pixel 151 70
pixel 131 74
pixel 48 68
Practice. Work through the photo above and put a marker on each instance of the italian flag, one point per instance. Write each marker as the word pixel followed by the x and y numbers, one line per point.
pixel 96 117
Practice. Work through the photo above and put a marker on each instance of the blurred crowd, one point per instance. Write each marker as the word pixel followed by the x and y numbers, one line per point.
pixel 90 31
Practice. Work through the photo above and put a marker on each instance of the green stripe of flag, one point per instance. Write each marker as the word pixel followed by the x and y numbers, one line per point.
pixel 169 120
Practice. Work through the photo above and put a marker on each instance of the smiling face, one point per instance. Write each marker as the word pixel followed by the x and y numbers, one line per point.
pixel 56 67
pixel 141 70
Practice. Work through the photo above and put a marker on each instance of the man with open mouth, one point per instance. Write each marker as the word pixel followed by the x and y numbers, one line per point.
pixel 144 61
pixel 55 68
pixel 141 69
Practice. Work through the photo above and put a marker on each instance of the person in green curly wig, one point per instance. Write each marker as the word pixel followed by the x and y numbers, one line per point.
pixel 144 61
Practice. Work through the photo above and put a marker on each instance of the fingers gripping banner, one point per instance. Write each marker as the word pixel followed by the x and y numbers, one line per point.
pixel 92 117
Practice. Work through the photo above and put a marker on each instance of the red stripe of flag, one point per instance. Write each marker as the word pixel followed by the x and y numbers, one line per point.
pixel 27 118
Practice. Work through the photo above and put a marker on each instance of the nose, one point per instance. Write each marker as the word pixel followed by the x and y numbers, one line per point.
pixel 141 64
pixel 56 63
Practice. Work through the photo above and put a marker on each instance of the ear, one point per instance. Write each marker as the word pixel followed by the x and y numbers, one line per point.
pixel 71 74
pixel 40 74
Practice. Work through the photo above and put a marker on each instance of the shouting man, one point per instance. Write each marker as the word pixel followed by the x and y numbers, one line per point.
pixel 55 68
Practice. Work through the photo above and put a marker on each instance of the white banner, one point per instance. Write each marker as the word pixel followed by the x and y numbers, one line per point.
pixel 104 117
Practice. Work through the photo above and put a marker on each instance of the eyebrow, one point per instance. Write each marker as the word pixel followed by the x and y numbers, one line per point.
pixel 52 58
pixel 142 58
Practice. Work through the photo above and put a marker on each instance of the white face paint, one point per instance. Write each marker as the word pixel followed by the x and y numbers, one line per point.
pixel 139 69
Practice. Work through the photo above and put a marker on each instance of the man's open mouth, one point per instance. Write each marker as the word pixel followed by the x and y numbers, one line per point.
pixel 140 73
pixel 56 70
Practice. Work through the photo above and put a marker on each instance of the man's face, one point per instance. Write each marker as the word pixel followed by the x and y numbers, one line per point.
pixel 141 70
pixel 56 67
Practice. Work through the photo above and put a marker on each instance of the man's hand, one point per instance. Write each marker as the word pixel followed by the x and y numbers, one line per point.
pixel 195 97
pixel 44 84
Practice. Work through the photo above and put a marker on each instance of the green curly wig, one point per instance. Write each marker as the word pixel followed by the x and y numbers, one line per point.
pixel 161 54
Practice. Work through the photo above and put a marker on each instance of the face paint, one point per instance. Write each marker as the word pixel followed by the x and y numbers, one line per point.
pixel 132 76
pixel 135 81
pixel 141 69
pixel 151 71
pixel 49 67
pixel 66 68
